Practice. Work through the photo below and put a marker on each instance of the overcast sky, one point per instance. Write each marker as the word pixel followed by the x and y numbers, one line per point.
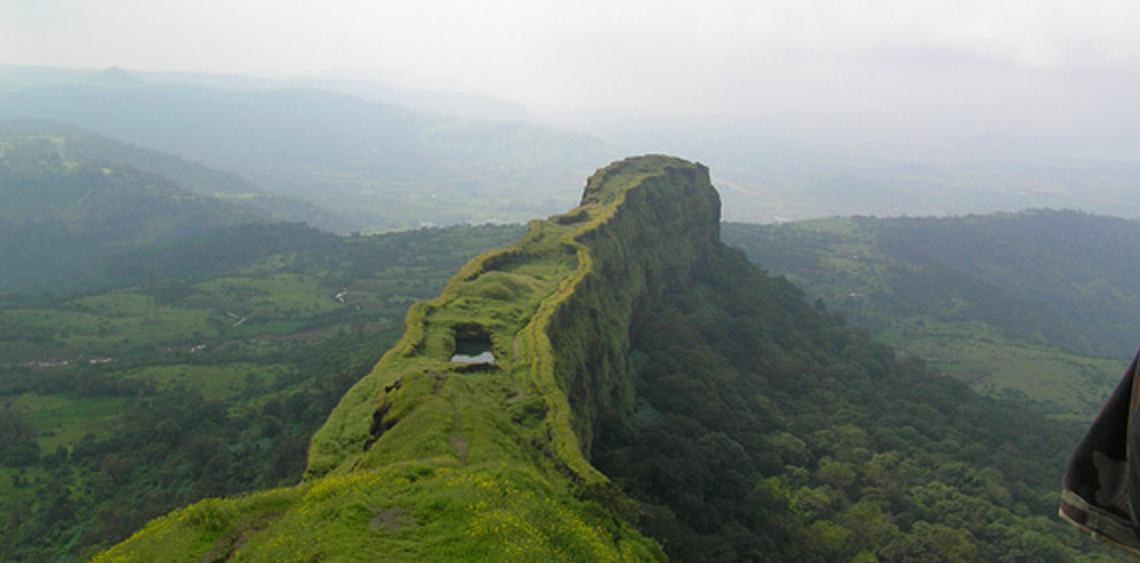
pixel 1068 63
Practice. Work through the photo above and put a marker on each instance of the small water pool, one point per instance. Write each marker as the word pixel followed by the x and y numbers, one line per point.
pixel 472 346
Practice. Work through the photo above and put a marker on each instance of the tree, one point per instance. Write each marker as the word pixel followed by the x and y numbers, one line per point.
pixel 18 445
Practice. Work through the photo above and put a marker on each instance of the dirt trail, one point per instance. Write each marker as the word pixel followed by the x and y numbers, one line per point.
pixel 519 395
pixel 458 441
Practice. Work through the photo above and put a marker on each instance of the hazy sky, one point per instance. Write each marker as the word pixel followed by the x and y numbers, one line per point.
pixel 899 63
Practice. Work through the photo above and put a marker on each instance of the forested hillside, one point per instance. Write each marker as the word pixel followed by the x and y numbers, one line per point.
pixel 1034 305
pixel 204 374
pixel 62 215
pixel 73 199
pixel 767 430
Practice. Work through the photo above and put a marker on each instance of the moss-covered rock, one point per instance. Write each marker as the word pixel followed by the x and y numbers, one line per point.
pixel 429 459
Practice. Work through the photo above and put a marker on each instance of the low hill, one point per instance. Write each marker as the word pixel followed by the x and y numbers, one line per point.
pixel 1033 304
pixel 80 145
pixel 620 386
pixel 378 165
pixel 66 209
pixel 83 146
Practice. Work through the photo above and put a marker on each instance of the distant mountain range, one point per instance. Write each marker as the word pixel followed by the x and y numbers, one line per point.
pixel 462 105
pixel 383 158
pixel 376 165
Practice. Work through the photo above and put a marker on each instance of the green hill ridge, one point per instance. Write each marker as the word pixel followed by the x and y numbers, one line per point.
pixel 427 458
pixel 621 386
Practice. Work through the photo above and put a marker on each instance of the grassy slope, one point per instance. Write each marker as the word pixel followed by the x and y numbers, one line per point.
pixel 475 463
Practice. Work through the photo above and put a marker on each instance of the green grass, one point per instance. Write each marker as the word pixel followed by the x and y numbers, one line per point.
pixel 106 324
pixel 405 512
pixel 277 328
pixel 126 320
pixel 65 420
pixel 118 304
pixel 218 382
pixel 1064 385
pixel 270 297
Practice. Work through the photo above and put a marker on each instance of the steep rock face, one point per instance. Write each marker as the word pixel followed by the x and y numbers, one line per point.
pixel 428 458
pixel 658 233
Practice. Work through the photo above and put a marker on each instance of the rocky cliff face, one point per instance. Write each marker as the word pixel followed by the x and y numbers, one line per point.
pixel 470 440
pixel 657 234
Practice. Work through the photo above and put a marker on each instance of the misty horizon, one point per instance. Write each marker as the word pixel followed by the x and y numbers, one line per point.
pixel 916 99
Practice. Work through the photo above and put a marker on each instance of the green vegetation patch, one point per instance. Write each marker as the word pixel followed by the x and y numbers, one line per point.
pixel 1022 306
pixel 1055 382
pixel 129 403
pixel 402 512
pixel 62 421
pixel 270 296
pixel 215 382
pixel 105 324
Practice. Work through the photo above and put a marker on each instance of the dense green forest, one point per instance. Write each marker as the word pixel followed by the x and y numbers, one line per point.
pixel 1032 306
pixel 203 375
pixel 766 430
